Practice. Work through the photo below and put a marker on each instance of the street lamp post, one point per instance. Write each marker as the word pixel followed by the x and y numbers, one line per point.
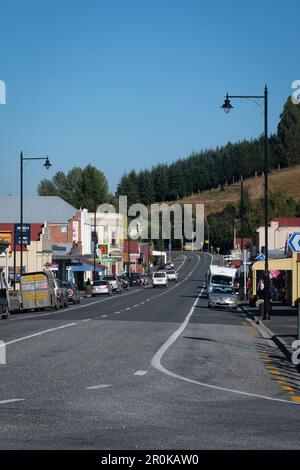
pixel 95 239
pixel 47 165
pixel 227 106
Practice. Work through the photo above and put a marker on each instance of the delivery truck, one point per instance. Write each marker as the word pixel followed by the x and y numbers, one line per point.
pixel 38 291
pixel 219 276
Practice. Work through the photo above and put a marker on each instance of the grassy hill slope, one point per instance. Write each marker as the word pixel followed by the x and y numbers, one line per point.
pixel 286 180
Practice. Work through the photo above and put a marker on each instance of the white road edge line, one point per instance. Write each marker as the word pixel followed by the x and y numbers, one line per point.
pixel 156 363
pixel 3 402
pixel 36 334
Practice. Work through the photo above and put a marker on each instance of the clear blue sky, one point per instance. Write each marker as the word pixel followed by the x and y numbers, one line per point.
pixel 127 84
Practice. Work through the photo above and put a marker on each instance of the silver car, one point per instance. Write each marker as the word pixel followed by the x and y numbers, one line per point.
pixel 101 287
pixel 222 296
pixel 114 283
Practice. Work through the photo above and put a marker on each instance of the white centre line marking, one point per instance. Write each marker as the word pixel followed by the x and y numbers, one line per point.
pixel 87 319
pixel 103 316
pixel 141 372
pixel 128 308
pixel 95 387
pixel 3 402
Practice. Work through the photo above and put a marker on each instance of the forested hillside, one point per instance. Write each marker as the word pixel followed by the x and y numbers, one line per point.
pixel 218 167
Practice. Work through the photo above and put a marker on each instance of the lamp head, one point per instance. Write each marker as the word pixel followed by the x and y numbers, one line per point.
pixel 226 106
pixel 47 164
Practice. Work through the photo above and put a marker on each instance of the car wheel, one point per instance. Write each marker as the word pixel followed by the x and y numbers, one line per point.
pixel 93 295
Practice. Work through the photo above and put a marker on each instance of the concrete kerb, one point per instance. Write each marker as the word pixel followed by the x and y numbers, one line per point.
pixel 267 333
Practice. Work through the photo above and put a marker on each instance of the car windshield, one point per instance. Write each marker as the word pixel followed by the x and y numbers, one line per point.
pixel 220 279
pixel 170 271
pixel 100 283
pixel 160 275
pixel 135 275
pixel 223 290
pixel 110 278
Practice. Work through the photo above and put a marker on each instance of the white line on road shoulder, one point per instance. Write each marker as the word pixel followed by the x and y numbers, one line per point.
pixel 156 363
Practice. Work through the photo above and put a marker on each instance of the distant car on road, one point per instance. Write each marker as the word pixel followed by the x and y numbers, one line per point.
pixel 169 265
pixel 160 279
pixel 135 279
pixel 223 296
pixel 124 280
pixel 171 275
pixel 115 283
pixel 73 294
pixel 101 287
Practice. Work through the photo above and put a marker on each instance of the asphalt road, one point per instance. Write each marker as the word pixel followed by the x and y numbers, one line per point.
pixel 147 369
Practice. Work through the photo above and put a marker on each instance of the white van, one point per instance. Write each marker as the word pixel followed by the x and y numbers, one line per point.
pixel 219 276
pixel 160 278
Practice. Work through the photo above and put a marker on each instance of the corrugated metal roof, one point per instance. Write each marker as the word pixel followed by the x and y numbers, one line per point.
pixel 36 209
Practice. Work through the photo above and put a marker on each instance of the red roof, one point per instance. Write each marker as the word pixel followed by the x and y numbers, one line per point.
pixel 287 221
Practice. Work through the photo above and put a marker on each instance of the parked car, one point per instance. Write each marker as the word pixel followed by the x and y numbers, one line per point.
pixel 61 293
pixel 124 279
pixel 114 282
pixel 101 287
pixel 135 279
pixel 169 265
pixel 223 296
pixel 73 294
pixel 160 279
pixel 171 275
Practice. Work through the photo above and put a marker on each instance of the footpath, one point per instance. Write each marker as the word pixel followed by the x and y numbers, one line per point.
pixel 283 325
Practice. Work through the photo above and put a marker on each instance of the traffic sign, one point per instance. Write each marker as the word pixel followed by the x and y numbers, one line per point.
pixel 22 235
pixel 260 257
pixel 294 242
pixel 103 249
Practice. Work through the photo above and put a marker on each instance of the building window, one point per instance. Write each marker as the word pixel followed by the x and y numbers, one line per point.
pixel 113 238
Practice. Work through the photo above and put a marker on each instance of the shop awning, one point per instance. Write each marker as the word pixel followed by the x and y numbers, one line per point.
pixel 87 265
